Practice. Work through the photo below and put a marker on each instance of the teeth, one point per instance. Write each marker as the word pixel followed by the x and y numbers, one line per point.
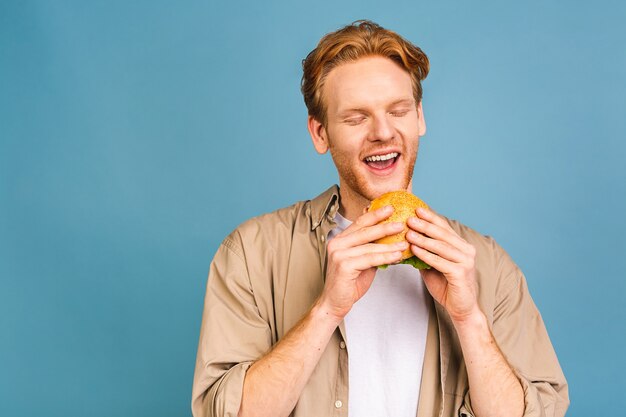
pixel 381 157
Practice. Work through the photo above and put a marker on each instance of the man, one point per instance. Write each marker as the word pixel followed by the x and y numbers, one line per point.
pixel 299 321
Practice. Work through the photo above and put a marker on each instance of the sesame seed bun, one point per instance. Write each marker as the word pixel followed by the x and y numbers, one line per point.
pixel 404 205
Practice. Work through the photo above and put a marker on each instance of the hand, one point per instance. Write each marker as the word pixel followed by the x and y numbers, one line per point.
pixel 452 281
pixel 353 258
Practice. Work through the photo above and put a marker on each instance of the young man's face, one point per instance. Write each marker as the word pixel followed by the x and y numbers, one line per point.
pixel 373 127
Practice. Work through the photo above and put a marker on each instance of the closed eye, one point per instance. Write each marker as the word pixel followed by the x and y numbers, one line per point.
pixel 356 120
pixel 399 113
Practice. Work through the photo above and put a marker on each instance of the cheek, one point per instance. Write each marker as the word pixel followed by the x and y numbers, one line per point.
pixel 410 125
pixel 411 134
pixel 343 157
pixel 346 140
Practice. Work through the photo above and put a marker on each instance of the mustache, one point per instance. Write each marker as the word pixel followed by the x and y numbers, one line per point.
pixel 380 149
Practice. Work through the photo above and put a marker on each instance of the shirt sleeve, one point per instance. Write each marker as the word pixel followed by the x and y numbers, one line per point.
pixel 232 335
pixel 523 339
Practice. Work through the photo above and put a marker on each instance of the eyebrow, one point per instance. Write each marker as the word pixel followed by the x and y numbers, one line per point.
pixel 348 112
pixel 402 101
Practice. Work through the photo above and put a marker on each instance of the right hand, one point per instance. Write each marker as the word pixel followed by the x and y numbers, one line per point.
pixel 353 258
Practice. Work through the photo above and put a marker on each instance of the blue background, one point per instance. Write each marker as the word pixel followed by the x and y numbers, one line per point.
pixel 135 135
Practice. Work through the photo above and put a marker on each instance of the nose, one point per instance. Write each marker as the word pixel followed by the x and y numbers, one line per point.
pixel 381 128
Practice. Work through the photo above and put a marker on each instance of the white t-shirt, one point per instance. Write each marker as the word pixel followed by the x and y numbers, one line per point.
pixel 386 338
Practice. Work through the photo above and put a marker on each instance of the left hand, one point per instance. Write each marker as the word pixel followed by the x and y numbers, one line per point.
pixel 452 280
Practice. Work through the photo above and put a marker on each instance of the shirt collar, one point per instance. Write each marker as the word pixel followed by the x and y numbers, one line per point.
pixel 324 205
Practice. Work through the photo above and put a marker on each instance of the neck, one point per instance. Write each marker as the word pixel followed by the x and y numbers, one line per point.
pixel 351 205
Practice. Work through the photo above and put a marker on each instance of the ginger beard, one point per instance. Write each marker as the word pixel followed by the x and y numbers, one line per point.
pixel 356 180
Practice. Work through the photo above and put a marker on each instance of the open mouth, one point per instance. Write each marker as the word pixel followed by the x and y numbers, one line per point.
pixel 381 162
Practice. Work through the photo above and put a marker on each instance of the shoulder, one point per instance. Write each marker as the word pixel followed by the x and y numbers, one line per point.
pixel 276 221
pixel 483 244
pixel 467 233
pixel 493 263
pixel 268 230
pixel 296 220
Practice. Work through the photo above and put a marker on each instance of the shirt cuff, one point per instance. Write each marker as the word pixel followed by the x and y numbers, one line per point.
pixel 224 397
pixel 540 400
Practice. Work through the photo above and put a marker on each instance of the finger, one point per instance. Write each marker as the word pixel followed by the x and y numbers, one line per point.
pixel 370 218
pixel 437 232
pixel 369 234
pixel 433 217
pixel 440 264
pixel 370 248
pixel 370 260
pixel 438 247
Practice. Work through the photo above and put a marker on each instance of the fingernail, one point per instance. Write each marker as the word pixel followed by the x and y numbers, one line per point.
pixel 415 221
pixel 421 211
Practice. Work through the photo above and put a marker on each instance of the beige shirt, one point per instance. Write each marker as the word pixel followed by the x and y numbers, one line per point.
pixel 266 275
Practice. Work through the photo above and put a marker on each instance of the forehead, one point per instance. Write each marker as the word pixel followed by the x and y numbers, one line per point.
pixel 367 82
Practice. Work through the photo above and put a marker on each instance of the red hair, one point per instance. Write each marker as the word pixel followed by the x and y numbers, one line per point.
pixel 360 39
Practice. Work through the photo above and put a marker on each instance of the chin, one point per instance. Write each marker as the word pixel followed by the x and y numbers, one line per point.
pixel 367 185
pixel 374 189
pixel 375 185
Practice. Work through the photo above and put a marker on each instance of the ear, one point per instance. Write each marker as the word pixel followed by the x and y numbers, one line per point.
pixel 421 122
pixel 318 135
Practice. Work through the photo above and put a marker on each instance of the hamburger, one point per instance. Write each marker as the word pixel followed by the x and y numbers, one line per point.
pixel 404 205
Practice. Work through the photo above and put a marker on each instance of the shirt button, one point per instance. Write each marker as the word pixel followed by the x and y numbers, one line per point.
pixel 338 404
pixel 323 238
pixel 342 344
